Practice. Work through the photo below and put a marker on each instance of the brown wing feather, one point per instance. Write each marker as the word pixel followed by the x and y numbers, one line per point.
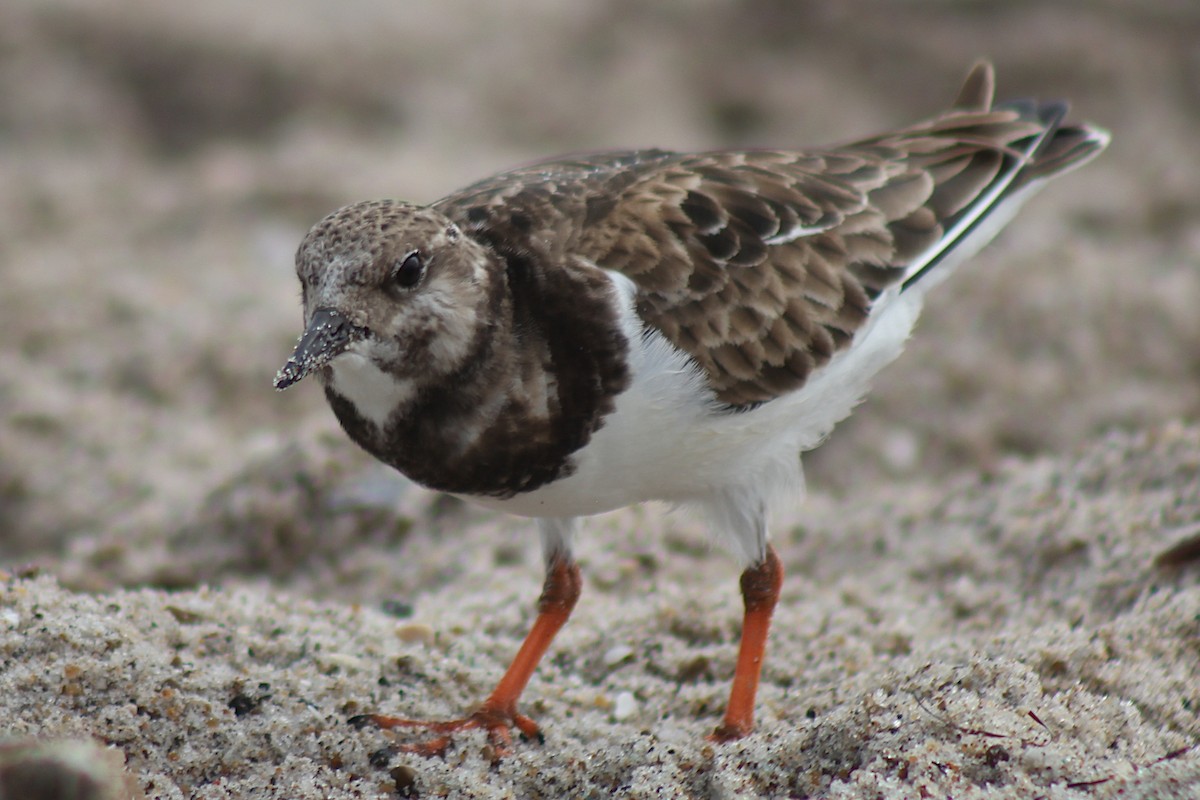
pixel 761 265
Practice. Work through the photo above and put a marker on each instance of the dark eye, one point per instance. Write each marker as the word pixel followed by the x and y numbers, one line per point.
pixel 407 273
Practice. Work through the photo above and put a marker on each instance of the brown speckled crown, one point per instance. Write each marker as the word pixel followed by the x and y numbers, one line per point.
pixel 762 264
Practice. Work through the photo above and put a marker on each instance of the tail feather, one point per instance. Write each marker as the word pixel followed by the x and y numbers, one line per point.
pixel 978 89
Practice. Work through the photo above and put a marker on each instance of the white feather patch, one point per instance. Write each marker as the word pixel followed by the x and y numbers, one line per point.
pixel 375 394
pixel 668 438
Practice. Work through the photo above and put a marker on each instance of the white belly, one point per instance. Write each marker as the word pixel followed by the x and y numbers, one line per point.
pixel 669 440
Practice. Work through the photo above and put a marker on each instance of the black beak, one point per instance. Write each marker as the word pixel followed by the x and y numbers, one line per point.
pixel 327 336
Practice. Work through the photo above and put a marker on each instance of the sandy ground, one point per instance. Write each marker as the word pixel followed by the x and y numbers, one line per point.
pixel 206 577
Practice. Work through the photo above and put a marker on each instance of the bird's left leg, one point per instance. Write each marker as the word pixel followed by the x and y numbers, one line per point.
pixel 498 713
pixel 761 584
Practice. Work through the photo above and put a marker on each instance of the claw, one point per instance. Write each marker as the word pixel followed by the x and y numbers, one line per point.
pixel 497 724
pixel 498 714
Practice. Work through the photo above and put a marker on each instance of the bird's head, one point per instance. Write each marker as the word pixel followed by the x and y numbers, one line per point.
pixel 394 283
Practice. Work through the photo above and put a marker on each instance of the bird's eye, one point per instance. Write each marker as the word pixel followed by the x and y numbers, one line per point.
pixel 407 273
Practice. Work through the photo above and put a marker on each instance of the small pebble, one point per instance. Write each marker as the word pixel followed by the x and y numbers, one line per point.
pixel 406 781
pixel 625 707
pixel 345 661
pixel 617 654
pixel 64 769
pixel 415 632
pixel 399 609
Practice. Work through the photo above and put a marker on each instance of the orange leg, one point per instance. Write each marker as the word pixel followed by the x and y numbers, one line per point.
pixel 760 591
pixel 498 714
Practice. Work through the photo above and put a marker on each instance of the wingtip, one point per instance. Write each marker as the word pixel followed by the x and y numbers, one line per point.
pixel 978 89
pixel 1069 148
pixel 1095 140
pixel 1100 137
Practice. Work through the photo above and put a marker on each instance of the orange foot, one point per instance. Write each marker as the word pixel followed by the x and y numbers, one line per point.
pixel 498 714
pixel 497 722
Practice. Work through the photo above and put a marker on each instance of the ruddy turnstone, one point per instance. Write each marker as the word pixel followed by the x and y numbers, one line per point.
pixel 593 332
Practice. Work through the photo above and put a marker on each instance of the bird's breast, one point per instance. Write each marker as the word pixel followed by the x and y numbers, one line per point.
pixel 512 419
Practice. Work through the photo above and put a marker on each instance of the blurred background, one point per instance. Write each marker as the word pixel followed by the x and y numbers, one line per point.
pixel 159 162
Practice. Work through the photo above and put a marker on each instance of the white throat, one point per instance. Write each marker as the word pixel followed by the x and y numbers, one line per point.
pixel 375 394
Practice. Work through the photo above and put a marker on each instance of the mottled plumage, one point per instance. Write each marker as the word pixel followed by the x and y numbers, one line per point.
pixel 762 264
pixel 587 333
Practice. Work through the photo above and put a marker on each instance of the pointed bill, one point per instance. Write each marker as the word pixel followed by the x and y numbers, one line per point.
pixel 327 336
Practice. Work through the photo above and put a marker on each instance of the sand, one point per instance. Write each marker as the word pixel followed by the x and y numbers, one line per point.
pixel 203 580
